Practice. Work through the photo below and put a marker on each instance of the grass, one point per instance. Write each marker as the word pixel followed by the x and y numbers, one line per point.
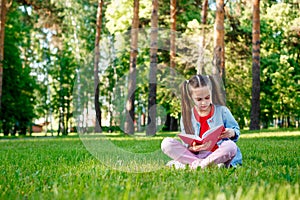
pixel 118 167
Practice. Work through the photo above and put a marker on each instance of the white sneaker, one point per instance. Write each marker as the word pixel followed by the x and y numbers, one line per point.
pixel 196 163
pixel 221 165
pixel 176 164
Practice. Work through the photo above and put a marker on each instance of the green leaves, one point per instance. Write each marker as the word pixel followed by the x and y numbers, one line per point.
pixel 49 43
pixel 278 66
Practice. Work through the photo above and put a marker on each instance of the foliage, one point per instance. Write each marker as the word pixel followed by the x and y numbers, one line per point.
pixel 279 74
pixel 18 86
pixel 238 40
pixel 62 168
pixel 119 15
pixel 53 42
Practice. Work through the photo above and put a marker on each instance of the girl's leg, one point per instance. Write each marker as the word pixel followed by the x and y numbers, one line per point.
pixel 224 154
pixel 177 151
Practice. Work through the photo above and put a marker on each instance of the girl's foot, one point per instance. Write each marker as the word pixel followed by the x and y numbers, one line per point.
pixel 176 164
pixel 196 163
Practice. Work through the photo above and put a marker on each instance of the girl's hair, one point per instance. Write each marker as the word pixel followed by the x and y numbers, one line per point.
pixel 217 94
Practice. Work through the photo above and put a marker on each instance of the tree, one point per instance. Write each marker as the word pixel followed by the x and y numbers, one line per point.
pixel 63 73
pixel 171 122
pixel 66 47
pixel 52 38
pixel 3 10
pixel 204 12
pixel 200 69
pixel 219 47
pixel 96 66
pixel 151 129
pixel 173 35
pixel 238 40
pixel 18 97
pixel 130 118
pixel 255 102
pixel 279 66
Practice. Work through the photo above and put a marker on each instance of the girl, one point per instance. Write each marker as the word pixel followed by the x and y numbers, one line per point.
pixel 202 108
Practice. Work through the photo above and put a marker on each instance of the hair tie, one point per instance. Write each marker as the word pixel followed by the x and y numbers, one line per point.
pixel 208 77
pixel 199 82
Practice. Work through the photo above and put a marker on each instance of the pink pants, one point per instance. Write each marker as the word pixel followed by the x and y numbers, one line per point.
pixel 177 151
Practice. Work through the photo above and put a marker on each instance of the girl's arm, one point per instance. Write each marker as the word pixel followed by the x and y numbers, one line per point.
pixel 231 125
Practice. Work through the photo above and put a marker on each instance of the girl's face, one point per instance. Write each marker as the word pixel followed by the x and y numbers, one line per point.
pixel 201 97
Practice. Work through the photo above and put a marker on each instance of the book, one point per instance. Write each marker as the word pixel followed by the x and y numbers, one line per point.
pixel 210 135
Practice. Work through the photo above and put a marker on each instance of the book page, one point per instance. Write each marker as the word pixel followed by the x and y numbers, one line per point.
pixel 210 135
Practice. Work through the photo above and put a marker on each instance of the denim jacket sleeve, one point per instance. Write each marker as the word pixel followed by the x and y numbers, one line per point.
pixel 230 122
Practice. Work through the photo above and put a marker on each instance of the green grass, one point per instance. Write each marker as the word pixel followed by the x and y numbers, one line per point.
pixel 88 168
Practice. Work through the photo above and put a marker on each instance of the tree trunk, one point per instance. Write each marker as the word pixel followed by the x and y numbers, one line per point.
pixel 200 67
pixel 204 11
pixel 68 128
pixel 167 126
pixel 173 11
pixel 96 68
pixel 3 10
pixel 219 47
pixel 173 34
pixel 151 128
pixel 255 103
pixel 174 124
pixel 129 123
pixel 61 124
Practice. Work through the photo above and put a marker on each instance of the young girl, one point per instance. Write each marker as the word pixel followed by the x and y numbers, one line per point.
pixel 201 111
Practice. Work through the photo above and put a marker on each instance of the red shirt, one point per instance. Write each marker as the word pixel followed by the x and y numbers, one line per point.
pixel 204 124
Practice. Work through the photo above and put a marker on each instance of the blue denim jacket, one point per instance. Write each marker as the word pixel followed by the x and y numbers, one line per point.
pixel 222 115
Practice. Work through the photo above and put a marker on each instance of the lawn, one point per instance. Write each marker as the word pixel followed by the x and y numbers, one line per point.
pixel 119 167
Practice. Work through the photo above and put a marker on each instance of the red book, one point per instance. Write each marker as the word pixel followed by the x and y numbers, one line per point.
pixel 210 135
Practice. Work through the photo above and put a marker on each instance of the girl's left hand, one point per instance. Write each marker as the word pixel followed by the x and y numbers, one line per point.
pixel 200 147
pixel 228 133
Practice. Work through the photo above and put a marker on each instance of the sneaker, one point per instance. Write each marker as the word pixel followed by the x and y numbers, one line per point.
pixel 221 165
pixel 176 164
pixel 196 164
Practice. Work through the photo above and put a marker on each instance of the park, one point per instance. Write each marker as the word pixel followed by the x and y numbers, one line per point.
pixel 62 168
pixel 91 89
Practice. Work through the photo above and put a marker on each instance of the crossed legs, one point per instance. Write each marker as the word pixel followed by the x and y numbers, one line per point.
pixel 177 151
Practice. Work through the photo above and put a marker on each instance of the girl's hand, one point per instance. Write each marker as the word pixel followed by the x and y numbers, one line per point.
pixel 228 133
pixel 200 147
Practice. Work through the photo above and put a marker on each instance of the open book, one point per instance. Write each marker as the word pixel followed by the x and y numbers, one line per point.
pixel 210 135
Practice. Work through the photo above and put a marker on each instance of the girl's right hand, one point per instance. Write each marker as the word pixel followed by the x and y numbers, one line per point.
pixel 200 147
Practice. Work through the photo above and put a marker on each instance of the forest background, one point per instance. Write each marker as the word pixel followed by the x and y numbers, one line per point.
pixel 49 50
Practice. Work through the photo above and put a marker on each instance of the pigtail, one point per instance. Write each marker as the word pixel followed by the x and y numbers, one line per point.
pixel 218 90
pixel 186 108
